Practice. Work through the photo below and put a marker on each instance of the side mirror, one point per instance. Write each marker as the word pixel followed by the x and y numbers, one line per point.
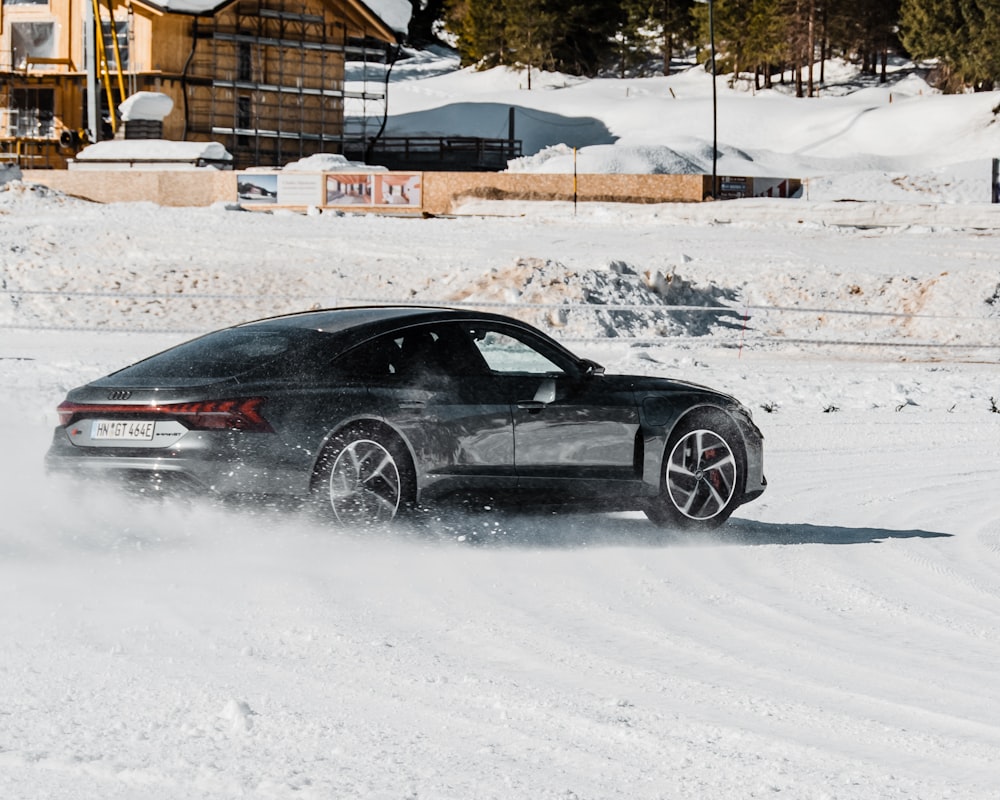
pixel 546 392
pixel 591 367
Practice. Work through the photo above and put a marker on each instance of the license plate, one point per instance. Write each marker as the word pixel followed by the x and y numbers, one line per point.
pixel 122 430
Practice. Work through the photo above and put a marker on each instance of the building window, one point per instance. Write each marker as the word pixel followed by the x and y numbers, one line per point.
pixel 25 2
pixel 243 120
pixel 33 113
pixel 243 113
pixel 31 39
pixel 245 72
pixel 121 28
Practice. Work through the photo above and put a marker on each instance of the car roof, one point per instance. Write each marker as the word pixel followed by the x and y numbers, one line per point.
pixel 355 324
pixel 371 318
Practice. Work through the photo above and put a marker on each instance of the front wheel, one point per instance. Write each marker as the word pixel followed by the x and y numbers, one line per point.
pixel 365 478
pixel 700 479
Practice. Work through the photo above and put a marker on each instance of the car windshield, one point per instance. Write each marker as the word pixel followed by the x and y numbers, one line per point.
pixel 225 354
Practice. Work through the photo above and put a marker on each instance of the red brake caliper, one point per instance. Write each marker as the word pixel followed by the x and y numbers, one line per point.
pixel 713 475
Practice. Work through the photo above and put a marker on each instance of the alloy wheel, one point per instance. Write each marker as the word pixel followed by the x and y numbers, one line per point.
pixel 364 484
pixel 701 475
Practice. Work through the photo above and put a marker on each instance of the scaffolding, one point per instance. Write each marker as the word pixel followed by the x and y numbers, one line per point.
pixel 39 123
pixel 28 133
pixel 266 78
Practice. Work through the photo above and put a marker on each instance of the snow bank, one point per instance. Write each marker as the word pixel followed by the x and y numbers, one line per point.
pixel 329 162
pixel 165 150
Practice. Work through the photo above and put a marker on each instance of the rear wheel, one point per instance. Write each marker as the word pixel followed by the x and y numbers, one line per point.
pixel 701 475
pixel 365 478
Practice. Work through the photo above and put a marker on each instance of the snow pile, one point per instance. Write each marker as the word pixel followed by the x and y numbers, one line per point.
pixel 146 105
pixel 153 150
pixel 19 197
pixel 618 294
pixel 329 162
pixel 606 158
pixel 8 173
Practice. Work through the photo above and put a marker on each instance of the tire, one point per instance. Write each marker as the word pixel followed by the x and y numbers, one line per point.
pixel 365 478
pixel 701 476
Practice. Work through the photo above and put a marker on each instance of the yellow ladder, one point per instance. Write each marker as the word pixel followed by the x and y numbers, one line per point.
pixel 102 60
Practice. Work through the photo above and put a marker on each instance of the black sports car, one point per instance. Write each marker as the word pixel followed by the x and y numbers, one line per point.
pixel 379 410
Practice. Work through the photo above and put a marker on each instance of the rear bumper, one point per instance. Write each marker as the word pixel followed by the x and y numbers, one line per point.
pixel 209 463
pixel 130 472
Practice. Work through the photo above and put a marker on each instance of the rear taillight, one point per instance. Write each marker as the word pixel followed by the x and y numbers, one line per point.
pixel 213 415
pixel 207 415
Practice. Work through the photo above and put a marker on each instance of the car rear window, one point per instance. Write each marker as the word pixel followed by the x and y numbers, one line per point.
pixel 229 353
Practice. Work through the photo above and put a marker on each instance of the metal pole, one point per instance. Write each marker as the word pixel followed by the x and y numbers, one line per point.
pixel 510 132
pixel 715 112
pixel 574 182
pixel 90 45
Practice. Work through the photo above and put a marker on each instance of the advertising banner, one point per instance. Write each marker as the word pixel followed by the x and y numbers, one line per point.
pixel 253 188
pixel 376 191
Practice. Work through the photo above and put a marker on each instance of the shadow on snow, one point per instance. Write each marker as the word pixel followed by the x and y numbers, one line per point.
pixel 560 530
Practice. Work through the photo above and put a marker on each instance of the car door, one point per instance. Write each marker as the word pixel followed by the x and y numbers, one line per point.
pixel 573 428
pixel 431 384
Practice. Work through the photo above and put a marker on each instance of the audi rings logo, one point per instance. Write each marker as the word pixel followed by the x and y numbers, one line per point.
pixel 119 394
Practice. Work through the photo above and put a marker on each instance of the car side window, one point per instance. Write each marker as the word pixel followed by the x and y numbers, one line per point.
pixel 436 351
pixel 376 358
pixel 504 353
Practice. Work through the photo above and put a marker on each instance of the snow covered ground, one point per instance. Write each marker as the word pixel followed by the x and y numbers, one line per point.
pixel 838 639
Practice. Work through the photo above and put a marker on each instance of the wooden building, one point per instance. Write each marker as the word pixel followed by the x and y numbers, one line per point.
pixel 265 78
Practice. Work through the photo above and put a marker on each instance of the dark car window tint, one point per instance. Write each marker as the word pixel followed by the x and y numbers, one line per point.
pixel 378 358
pixel 439 351
pixel 223 354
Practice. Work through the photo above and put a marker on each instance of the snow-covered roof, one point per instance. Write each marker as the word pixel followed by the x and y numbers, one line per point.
pixel 394 14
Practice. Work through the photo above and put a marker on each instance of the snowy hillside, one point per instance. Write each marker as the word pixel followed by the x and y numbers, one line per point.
pixel 837 640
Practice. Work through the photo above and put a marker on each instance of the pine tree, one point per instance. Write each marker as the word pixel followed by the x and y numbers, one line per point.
pixel 565 35
pixel 960 34
pixel 669 21
pixel 676 26
pixel 750 35
pixel 631 36
pixel 424 16
pixel 480 28
pixel 586 32
pixel 530 32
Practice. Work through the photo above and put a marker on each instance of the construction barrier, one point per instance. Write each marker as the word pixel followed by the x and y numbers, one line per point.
pixel 430 193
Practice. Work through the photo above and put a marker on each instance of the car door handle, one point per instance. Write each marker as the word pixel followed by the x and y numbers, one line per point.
pixel 531 405
pixel 412 405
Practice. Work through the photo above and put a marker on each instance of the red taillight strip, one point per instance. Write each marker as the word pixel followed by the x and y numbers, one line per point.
pixel 239 414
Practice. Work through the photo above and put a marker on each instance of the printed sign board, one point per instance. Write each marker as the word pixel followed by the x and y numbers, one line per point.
pixel 374 189
pixel 402 191
pixel 300 189
pixel 256 187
